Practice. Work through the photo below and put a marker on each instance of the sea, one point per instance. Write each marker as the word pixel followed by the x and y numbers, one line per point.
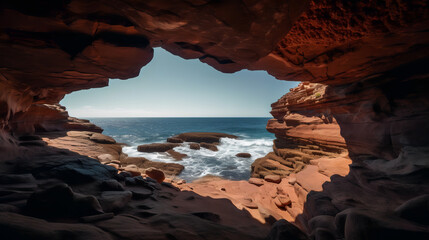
pixel 253 139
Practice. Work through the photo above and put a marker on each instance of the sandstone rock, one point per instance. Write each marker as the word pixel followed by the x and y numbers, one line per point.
pixel 176 155
pixel 133 169
pixel 206 137
pixel 292 180
pixel 209 146
pixel 207 216
pixel 174 140
pixel 273 178
pixel 100 138
pixel 282 229
pixel 416 210
pixel 243 155
pixel 113 201
pixel 113 165
pixel 61 201
pixel 96 218
pixel 141 193
pixel 105 158
pixel 248 202
pixel 171 169
pixel 71 169
pixel 111 185
pixel 156 174
pixel 157 147
pixel 15 226
pixel 311 179
pixel 256 181
pixel 194 146
pixel 284 200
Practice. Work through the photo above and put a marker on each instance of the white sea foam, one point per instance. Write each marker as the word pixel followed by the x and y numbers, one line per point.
pixel 222 163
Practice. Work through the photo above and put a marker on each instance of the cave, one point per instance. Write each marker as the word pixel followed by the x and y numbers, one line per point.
pixel 354 133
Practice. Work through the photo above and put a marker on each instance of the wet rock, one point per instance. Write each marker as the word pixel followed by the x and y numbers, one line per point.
pixel 207 137
pixel 273 178
pixel 157 147
pixel 243 155
pixel 174 140
pixel 256 181
pixel 176 155
pixel 156 174
pixel 100 138
pixel 209 146
pixel 194 146
pixel 61 201
pixel 113 201
pixel 283 229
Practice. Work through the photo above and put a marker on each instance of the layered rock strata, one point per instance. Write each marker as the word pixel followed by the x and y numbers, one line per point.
pixel 371 55
pixel 304 130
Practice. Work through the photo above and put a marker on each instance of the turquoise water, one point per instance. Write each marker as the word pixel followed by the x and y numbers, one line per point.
pixel 253 138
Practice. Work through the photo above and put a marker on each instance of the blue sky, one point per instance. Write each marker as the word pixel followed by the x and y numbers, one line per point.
pixel 170 86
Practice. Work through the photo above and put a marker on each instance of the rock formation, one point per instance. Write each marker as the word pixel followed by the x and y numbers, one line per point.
pixel 370 56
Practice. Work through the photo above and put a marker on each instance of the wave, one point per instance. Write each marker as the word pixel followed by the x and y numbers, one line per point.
pixel 222 163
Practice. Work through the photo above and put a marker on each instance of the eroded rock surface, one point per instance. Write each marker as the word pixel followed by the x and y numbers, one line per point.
pixel 370 56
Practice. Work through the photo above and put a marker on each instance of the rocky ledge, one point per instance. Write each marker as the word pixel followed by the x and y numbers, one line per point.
pixel 370 56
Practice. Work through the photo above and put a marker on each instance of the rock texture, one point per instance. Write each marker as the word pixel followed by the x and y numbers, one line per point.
pixel 370 56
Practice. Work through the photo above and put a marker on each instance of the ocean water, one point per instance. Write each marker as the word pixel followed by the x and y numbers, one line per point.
pixel 253 139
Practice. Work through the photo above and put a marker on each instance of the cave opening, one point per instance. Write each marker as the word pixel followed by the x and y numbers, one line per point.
pixel 173 96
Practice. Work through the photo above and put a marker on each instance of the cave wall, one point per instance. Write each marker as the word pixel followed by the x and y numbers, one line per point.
pixel 369 57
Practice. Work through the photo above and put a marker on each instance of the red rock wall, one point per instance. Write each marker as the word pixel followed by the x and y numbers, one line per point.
pixel 370 55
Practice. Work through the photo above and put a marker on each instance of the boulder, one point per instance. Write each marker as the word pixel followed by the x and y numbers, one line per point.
pixel 111 185
pixel 113 201
pixel 176 155
pixel 156 174
pixel 100 138
pixel 256 181
pixel 157 147
pixel 207 137
pixel 105 158
pixel 243 155
pixel 194 146
pixel 283 229
pixel 209 146
pixel 174 140
pixel 416 210
pixel 61 201
pixel 273 178
pixel 170 169
pixel 16 226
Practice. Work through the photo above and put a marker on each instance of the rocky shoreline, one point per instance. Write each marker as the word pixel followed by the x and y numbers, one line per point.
pixel 83 178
